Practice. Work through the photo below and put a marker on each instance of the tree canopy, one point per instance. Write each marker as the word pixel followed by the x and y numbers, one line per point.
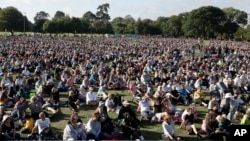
pixel 204 22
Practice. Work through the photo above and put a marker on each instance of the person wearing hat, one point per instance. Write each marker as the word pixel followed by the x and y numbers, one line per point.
pixel 8 129
pixel 246 118
pixel 228 105
pixel 91 97
pixel 107 128
pixel 126 109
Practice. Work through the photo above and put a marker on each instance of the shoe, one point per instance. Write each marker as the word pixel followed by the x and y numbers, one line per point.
pixel 204 104
pixel 131 137
pixel 152 119
pixel 198 136
pixel 142 138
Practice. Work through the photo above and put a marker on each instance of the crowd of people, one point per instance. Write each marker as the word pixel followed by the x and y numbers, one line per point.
pixel 159 73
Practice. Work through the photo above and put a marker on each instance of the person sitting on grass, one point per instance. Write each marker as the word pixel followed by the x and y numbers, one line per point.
pixel 199 97
pixel 55 96
pixel 74 103
pixel 189 122
pixel 102 109
pixel 43 126
pixel 126 109
pixel 108 128
pixel 168 127
pixel 28 125
pixel 144 108
pixel 70 131
pixel 35 107
pixel 91 97
pixel 94 127
pixel 109 103
pixel 131 128
pixel 3 100
pixel 8 129
pixel 246 118
pixel 49 106
pixel 18 110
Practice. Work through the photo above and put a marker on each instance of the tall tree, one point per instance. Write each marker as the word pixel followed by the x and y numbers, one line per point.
pixel 235 15
pixel 42 15
pixel 89 17
pixel 234 19
pixel 118 25
pixel 204 22
pixel 173 26
pixel 59 15
pixel 102 12
pixel 12 19
pixel 39 20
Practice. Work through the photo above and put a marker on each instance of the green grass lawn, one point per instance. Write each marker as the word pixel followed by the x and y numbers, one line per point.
pixel 151 131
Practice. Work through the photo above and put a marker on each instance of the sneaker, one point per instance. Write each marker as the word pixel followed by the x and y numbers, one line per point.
pixel 142 138
pixel 204 104
pixel 131 137
pixel 152 119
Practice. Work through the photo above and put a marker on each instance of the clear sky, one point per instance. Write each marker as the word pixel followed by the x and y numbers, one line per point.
pixel 119 8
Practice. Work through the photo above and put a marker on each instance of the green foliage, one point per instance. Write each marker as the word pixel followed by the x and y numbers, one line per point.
pixel 203 22
pixel 236 16
pixel 59 15
pixel 11 19
pixel 102 27
pixel 173 26
pixel 102 12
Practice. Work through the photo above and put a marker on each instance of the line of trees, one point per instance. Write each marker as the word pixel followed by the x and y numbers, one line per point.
pixel 204 22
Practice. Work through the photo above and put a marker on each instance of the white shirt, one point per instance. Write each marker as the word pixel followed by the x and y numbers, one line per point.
pixel 42 124
pixel 19 82
pixel 91 96
pixel 168 128
pixel 26 72
pixel 109 102
pixel 145 106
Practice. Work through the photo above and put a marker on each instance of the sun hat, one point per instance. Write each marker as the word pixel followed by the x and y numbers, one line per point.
pixel 5 117
pixel 228 95
pixel 125 102
pixel 91 88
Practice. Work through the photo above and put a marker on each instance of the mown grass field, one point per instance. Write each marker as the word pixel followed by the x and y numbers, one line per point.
pixel 151 131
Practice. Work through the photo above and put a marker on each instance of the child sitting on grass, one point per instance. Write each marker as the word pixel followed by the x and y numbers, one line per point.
pixel 28 126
